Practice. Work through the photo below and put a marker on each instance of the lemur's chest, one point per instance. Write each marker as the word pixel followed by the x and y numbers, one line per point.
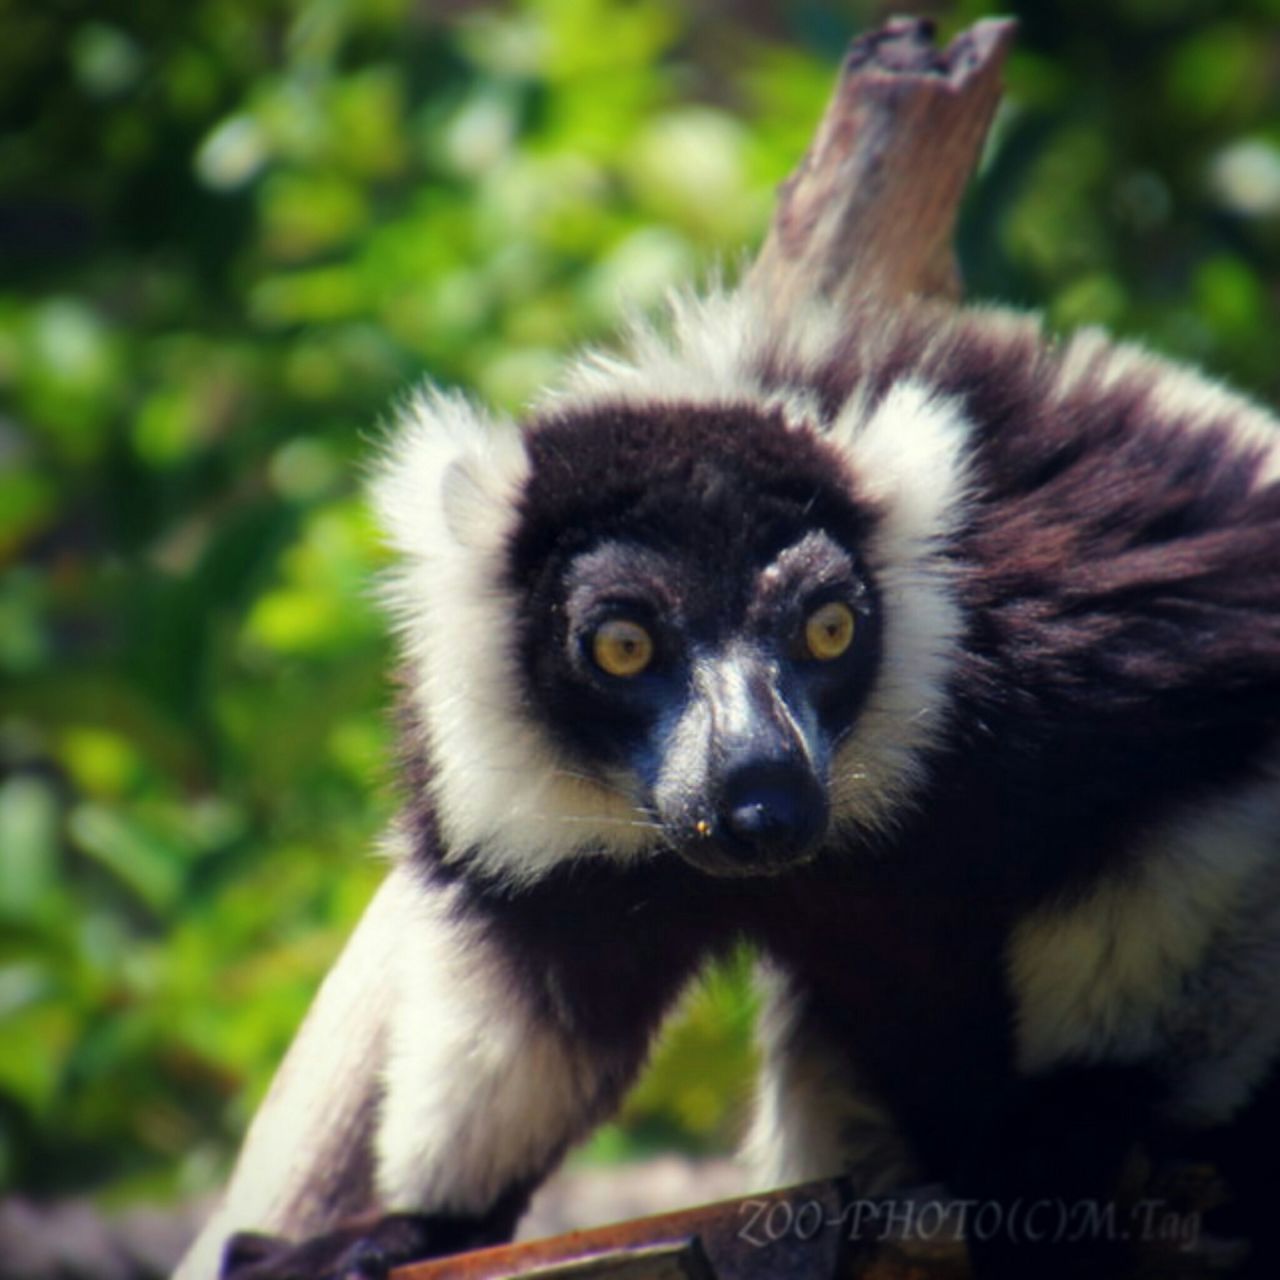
pixel 888 954
pixel 912 986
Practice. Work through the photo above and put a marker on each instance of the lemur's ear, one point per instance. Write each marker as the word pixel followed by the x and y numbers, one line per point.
pixel 449 475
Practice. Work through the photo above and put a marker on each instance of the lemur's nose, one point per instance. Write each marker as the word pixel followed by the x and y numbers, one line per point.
pixel 772 807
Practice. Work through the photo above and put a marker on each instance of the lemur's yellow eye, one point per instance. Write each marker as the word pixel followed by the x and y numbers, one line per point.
pixel 622 648
pixel 828 631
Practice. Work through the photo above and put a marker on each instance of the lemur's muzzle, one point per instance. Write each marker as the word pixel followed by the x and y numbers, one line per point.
pixel 753 803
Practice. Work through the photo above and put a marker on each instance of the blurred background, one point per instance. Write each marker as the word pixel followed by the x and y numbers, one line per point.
pixel 232 233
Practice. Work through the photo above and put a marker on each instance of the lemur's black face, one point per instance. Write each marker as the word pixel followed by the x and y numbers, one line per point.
pixel 699 627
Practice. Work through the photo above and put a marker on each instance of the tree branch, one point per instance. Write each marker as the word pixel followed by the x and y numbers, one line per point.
pixel 872 205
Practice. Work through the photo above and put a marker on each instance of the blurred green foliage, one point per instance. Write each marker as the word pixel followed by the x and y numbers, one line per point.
pixel 231 233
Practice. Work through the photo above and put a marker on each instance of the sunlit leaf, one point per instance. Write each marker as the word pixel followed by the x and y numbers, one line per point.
pixel 136 856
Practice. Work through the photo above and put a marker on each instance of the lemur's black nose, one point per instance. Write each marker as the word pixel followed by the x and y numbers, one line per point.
pixel 772 808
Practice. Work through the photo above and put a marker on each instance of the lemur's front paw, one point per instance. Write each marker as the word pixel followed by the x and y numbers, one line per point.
pixel 362 1250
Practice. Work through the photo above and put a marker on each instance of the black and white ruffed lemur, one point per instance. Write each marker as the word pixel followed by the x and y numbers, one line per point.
pixel 937 660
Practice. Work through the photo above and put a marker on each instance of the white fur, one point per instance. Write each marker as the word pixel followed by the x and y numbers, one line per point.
pixel 480 1092
pixel 709 354
pixel 1177 960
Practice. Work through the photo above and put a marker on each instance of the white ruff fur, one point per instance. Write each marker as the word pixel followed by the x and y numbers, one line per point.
pixel 446 496
pixel 710 355
pixel 909 455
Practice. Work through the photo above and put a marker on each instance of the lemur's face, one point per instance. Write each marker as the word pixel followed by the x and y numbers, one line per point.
pixel 706 640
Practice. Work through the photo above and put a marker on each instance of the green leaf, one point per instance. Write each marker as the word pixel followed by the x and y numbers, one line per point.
pixel 140 860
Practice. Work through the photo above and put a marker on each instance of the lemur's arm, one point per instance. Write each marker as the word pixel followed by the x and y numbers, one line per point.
pixel 307 1159
pixel 450 1057
pixel 489 1075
